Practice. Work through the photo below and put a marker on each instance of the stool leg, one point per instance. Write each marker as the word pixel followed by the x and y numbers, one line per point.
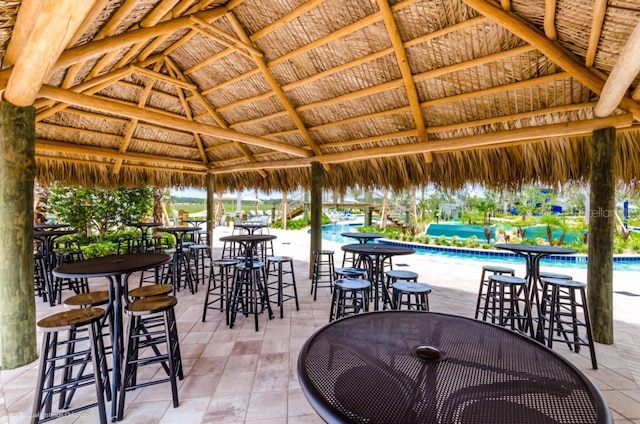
pixel 587 322
pixel 482 285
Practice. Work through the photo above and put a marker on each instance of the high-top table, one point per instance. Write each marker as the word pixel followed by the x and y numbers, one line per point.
pixel 423 367
pixel 362 237
pixel 179 257
pixel 533 254
pixel 145 232
pixel 249 243
pixel 251 227
pixel 47 236
pixel 50 227
pixel 113 268
pixel 376 254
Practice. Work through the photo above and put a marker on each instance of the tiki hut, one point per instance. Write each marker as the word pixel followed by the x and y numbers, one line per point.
pixel 275 95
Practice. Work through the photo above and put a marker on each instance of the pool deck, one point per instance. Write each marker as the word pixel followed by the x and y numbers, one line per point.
pixel 242 376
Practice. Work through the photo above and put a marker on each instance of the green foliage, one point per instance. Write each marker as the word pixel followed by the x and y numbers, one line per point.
pixel 441 241
pixel 102 210
pixel 472 242
pixel 97 250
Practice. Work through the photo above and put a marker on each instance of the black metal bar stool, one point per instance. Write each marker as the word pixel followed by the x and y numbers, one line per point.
pixel 250 293
pixel 484 284
pixel 198 254
pixel 547 274
pixel 275 268
pixel 394 275
pixel 350 297
pixel 407 289
pixel 73 362
pixel 349 272
pixel 323 271
pixel 219 287
pixel 76 285
pixel 152 324
pixel 508 305
pixel 559 315
pixel 40 277
pixel 150 290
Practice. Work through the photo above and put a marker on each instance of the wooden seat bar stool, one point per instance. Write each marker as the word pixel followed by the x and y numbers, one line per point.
pixel 484 284
pixel 145 330
pixel 74 361
pixel 562 299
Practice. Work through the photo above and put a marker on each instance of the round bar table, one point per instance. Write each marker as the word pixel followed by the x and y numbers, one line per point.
pixel 113 268
pixel 145 231
pixel 363 237
pixel 376 254
pixel 249 243
pixel 424 367
pixel 50 227
pixel 251 227
pixel 180 257
pixel 533 254
pixel 47 237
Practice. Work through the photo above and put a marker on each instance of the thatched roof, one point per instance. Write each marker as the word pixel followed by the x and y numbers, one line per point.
pixel 382 93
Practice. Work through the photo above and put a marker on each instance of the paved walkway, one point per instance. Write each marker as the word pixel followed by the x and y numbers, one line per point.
pixel 242 376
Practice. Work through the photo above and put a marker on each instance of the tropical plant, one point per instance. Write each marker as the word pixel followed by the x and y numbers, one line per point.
pixel 100 210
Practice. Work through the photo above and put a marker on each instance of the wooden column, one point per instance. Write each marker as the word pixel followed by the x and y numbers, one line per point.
pixel 17 169
pixel 367 209
pixel 601 222
pixel 211 209
pixel 317 178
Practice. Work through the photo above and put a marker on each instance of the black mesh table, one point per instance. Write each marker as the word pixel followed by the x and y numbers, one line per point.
pixel 373 368
pixel 362 237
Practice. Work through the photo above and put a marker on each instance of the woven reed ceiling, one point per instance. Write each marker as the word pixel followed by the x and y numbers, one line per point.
pixel 381 93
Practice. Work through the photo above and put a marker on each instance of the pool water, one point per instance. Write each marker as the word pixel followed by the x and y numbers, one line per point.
pixel 332 232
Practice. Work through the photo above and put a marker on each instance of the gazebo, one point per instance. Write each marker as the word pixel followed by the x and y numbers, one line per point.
pixel 275 95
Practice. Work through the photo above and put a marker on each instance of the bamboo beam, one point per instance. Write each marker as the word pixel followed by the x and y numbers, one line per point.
pixel 621 77
pixel 243 150
pixel 208 61
pixel 550 20
pixel 481 141
pixel 58 147
pixel 286 19
pixel 558 55
pixel 158 13
pixel 405 71
pixel 166 78
pixel 502 138
pixel 100 47
pixel 195 28
pixel 89 20
pixel 117 108
pixel 22 29
pixel 275 86
pixel 116 19
pixel 369 91
pixel 55 24
pixel 230 41
pixel 599 11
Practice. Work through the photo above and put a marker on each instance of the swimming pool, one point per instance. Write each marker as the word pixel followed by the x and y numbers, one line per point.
pixel 332 232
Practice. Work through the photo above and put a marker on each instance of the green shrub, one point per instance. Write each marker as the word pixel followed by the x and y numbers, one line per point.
pixel 97 250
pixel 472 242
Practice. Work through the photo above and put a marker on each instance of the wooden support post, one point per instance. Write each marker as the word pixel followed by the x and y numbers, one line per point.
pixel 317 178
pixel 367 209
pixel 601 222
pixel 211 209
pixel 17 170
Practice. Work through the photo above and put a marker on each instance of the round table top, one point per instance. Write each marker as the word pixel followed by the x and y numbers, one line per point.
pixel 52 233
pixel 424 367
pixel 535 249
pixel 178 229
pixel 362 236
pixel 112 265
pixel 251 225
pixel 378 249
pixel 144 224
pixel 49 227
pixel 195 221
pixel 242 238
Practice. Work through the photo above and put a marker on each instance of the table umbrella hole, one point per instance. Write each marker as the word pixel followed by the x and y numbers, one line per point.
pixel 429 353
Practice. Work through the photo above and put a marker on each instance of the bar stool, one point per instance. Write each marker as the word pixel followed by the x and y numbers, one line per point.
pixel 222 294
pixel 323 271
pixel 394 275
pixel 349 273
pixel 419 291
pixel 559 315
pixel 198 253
pixel 249 294
pixel 557 276
pixel 275 268
pixel 152 323
pixel 76 285
pixel 76 357
pixel 150 290
pixel 506 297
pixel 40 279
pixel 484 284
pixel 179 272
pixel 350 297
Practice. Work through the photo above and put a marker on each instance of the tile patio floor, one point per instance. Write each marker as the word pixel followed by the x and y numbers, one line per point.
pixel 242 376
